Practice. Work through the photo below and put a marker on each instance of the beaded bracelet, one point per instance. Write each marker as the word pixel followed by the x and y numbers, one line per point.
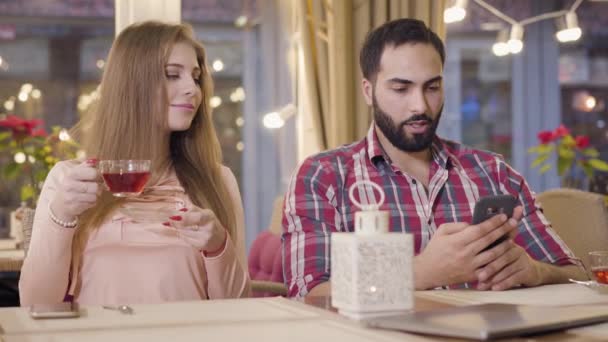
pixel 62 223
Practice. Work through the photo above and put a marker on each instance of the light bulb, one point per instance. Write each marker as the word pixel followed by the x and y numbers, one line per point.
pixel 36 93
pixel 215 101
pixel 516 39
pixel 273 120
pixel 9 105
pixel 455 13
pixel 590 102
pixel 64 135
pixel 20 158
pixel 501 48
pixel 218 65
pixel 570 30
pixel 240 21
pixel 27 88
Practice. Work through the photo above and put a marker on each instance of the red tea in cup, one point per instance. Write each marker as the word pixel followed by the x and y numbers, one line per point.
pixel 599 266
pixel 125 178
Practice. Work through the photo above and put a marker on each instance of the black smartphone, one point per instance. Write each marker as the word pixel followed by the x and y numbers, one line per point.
pixel 490 206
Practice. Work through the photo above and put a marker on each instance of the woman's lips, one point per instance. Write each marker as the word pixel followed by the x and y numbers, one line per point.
pixel 183 106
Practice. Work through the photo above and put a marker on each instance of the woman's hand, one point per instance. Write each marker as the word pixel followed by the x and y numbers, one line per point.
pixel 200 228
pixel 77 191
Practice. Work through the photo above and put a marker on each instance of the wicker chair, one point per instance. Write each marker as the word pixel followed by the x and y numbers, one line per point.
pixel 580 218
pixel 27 223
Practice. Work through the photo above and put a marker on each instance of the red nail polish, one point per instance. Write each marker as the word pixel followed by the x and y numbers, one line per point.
pixel 176 218
pixel 183 209
pixel 167 224
pixel 92 161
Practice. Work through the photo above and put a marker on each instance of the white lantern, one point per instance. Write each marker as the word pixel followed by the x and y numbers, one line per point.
pixel 371 269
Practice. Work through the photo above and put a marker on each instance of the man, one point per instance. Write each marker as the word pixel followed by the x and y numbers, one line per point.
pixel 431 185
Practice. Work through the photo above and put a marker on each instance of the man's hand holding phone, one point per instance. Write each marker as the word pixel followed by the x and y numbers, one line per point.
pixel 456 252
pixel 511 266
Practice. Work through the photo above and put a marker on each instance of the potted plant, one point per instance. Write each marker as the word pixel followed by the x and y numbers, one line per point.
pixel 575 158
pixel 29 153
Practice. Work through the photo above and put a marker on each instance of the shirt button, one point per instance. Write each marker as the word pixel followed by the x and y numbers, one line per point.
pixel 429 221
pixel 414 181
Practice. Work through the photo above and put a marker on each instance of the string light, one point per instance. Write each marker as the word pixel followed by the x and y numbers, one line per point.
pixel 274 120
pixel 238 95
pixel 215 101
pixel 240 122
pixel 64 135
pixel 19 157
pixel 568 25
pixel 9 105
pixel 455 13
pixel 218 65
pixel 26 88
pixel 501 48
pixel 241 21
pixel 516 37
pixel 570 31
pixel 36 93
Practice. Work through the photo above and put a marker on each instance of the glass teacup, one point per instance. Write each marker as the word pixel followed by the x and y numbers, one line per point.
pixel 599 265
pixel 125 178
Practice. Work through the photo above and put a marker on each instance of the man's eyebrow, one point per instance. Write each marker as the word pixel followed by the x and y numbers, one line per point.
pixel 400 81
pixel 433 80
pixel 408 82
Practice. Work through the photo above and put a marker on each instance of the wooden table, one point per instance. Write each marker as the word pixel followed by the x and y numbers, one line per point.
pixel 253 319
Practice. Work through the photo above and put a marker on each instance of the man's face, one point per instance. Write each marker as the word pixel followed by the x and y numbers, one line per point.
pixel 407 95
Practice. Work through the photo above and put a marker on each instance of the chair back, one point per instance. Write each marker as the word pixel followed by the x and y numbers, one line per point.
pixel 580 218
pixel 265 259
pixel 276 220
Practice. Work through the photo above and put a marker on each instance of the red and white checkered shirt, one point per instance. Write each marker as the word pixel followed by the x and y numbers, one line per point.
pixel 317 203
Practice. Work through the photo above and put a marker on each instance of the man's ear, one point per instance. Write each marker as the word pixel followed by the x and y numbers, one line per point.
pixel 367 88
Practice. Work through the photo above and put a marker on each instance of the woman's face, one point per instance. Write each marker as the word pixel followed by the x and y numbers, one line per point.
pixel 183 86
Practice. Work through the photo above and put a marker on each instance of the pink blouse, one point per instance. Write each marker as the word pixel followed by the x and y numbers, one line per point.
pixel 131 260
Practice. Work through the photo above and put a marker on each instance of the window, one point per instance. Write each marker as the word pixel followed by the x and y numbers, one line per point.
pixel 51 60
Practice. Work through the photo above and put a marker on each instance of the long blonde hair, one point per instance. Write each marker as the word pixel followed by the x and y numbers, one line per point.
pixel 129 121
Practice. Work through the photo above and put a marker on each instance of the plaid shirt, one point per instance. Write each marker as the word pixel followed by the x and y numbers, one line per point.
pixel 317 203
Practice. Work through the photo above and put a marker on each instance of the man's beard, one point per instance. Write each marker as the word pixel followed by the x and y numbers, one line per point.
pixel 397 135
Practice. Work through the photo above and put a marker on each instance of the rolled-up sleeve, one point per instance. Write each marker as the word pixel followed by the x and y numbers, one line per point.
pixel 535 233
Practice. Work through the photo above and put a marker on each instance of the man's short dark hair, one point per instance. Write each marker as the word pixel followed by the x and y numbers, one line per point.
pixel 395 33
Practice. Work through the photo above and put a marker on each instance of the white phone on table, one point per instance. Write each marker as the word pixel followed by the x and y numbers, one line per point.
pixel 56 310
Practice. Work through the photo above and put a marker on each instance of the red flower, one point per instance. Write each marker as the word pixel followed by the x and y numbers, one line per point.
pixel 545 137
pixel 582 141
pixel 21 127
pixel 560 132
pixel 39 133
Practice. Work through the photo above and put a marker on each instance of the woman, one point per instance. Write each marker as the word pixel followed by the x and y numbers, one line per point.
pixel 153 105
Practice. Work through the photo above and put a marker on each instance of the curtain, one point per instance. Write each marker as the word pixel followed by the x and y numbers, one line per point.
pixel 329 35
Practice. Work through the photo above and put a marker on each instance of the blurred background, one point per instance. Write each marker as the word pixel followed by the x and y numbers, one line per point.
pixel 52 56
